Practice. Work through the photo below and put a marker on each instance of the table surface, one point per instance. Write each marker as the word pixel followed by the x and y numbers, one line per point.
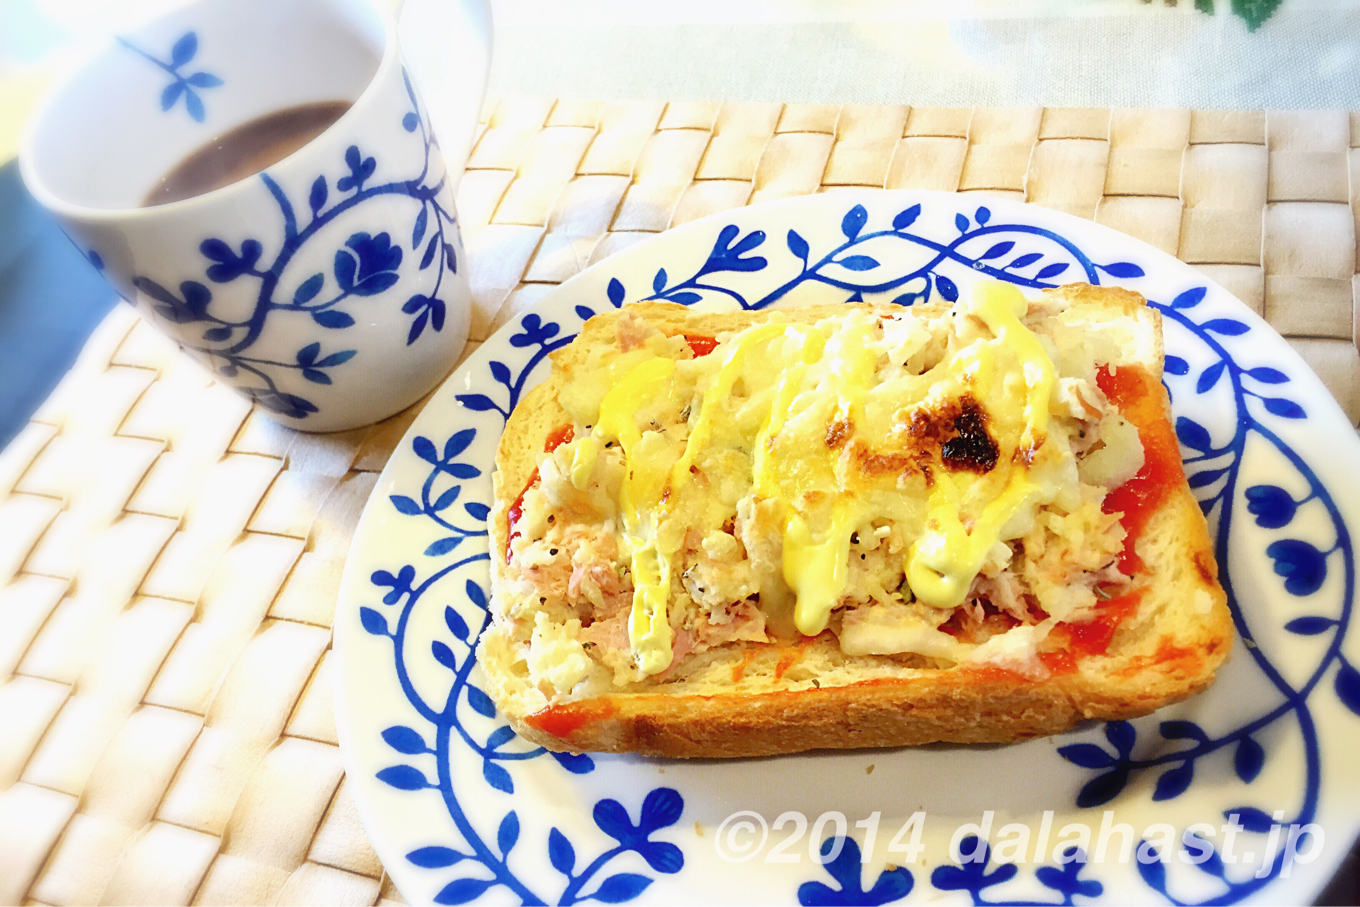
pixel 169 558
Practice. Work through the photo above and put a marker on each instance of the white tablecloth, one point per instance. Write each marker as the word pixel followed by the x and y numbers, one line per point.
pixel 1243 54
pixel 926 52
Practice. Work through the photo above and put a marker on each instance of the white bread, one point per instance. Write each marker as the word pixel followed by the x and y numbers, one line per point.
pixel 757 699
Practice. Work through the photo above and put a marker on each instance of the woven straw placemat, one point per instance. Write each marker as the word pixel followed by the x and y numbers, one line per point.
pixel 169 558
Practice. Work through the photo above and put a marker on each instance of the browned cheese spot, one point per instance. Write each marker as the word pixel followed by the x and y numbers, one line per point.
pixel 1024 454
pixel 871 463
pixel 952 434
pixel 958 430
pixel 837 432
pixel 971 448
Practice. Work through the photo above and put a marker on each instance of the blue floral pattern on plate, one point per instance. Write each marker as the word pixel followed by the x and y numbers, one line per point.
pixel 1239 403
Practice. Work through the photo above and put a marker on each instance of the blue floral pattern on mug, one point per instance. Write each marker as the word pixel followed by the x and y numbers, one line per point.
pixel 364 266
pixel 181 86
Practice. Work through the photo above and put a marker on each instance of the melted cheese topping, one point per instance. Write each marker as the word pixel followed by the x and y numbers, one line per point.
pixel 805 410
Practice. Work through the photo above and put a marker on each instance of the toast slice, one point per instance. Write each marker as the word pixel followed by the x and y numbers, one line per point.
pixel 1097 596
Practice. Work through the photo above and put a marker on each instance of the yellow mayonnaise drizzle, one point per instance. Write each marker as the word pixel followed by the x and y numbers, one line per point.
pixel 733 359
pixel 649 631
pixel 816 569
pixel 583 458
pixel 831 365
pixel 943 562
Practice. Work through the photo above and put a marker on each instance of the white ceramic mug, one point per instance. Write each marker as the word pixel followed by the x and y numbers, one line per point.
pixel 331 288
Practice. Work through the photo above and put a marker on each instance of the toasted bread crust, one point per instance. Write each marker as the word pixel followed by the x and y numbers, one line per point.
pixel 1170 648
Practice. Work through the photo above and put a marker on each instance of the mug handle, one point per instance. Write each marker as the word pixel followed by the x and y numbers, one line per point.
pixel 447 47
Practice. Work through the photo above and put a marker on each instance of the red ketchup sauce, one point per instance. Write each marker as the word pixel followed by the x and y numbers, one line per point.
pixel 562 721
pixel 559 436
pixel 701 345
pixel 1092 637
pixel 1139 397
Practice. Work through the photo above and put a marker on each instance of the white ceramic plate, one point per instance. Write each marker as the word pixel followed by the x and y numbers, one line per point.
pixel 459 809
